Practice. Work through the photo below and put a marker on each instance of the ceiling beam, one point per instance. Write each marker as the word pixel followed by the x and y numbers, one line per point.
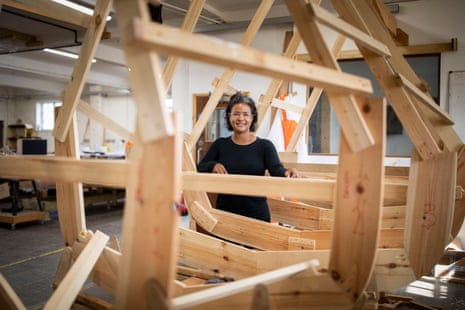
pixel 57 72
pixel 50 9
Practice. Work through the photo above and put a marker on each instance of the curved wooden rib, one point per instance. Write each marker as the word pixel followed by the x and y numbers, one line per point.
pixel 358 203
pixel 430 207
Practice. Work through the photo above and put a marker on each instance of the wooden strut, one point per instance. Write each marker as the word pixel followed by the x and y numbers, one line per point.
pixel 209 108
pixel 143 276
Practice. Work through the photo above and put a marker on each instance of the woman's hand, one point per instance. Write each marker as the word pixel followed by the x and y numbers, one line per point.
pixel 292 173
pixel 219 169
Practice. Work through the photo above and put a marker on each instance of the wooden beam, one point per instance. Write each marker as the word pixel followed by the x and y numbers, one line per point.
pixel 106 268
pixel 258 185
pixel 275 84
pixel 411 50
pixel 188 24
pixel 424 138
pixel 388 18
pixel 459 209
pixel 69 288
pixel 358 204
pixel 106 122
pixel 150 220
pixel 168 40
pixel 239 286
pixel 326 18
pixel 304 216
pixel 9 300
pixel 202 216
pixel 425 99
pixel 228 73
pixel 62 169
pixel 312 101
pixel 69 195
pixel 265 236
pixel 430 208
pixel 81 68
pixel 343 104
pixel 286 105
pixel 152 118
pixel 52 10
pixel 300 189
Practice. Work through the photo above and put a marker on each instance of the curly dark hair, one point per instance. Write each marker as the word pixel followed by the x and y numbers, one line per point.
pixel 236 99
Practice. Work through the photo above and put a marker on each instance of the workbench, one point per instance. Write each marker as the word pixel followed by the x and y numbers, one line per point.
pixel 16 213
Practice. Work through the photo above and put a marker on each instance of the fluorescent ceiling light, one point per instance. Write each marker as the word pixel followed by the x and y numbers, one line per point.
pixel 78 7
pixel 62 53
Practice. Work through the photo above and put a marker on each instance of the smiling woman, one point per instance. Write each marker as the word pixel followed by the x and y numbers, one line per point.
pixel 243 153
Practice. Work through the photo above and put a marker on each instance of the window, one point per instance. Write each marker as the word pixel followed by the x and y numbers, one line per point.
pixel 45 115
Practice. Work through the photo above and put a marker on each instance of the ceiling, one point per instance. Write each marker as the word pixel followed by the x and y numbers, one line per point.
pixel 25 69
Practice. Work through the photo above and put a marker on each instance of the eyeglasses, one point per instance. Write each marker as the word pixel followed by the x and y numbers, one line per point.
pixel 238 114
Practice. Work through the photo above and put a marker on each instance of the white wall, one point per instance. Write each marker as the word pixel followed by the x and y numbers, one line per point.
pixel 426 21
pixel 195 77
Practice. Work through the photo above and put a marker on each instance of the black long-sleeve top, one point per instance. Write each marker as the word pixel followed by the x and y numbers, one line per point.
pixel 251 159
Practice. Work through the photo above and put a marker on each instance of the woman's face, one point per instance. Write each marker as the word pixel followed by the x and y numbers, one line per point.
pixel 241 117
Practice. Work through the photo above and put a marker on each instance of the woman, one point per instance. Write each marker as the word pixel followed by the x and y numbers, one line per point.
pixel 243 153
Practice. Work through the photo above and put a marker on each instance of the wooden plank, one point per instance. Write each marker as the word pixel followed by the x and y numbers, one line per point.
pixel 81 69
pixel 52 10
pixel 261 297
pixel 275 84
pixel 317 190
pixel 387 17
pixel 294 213
pixel 69 195
pixel 420 49
pixel 262 235
pixel 286 106
pixel 206 252
pixel 148 89
pixel 188 24
pixel 63 267
pixel 64 295
pixel 9 300
pixel 358 203
pixel 209 108
pixel 312 101
pixel 425 99
pixel 430 207
pixel 373 25
pixel 203 218
pixel 392 269
pixel 106 268
pixel 459 209
pixel 239 286
pixel 63 169
pixel 425 141
pixel 427 133
pixel 188 165
pixel 296 243
pixel 259 185
pixel 326 18
pixel 304 216
pixel 228 73
pixel 150 220
pixel 106 122
pixel 230 90
pixel 22 217
pixel 168 40
pixel 344 105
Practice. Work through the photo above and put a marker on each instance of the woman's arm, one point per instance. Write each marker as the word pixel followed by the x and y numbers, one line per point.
pixel 274 165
